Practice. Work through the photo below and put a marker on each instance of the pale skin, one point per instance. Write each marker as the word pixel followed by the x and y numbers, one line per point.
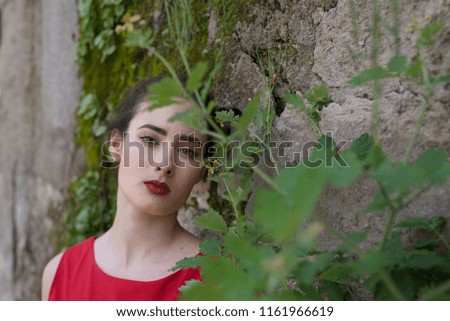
pixel 146 240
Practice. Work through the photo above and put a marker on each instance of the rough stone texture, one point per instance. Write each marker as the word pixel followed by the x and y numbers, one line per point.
pixel 315 43
pixel 40 91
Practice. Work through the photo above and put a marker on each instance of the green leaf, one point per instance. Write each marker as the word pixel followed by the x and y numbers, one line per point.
pixel 440 292
pixel 105 42
pixel 249 255
pixel 434 166
pixel 248 114
pixel 344 173
pixel 112 2
pixel 99 130
pixel 195 290
pixel 338 273
pixel 341 168
pixel 84 7
pixel 302 187
pixel 352 241
pixel 414 222
pixel 226 116
pixel 363 145
pixel 331 291
pixel 119 10
pixel 296 101
pixel 435 224
pixel 308 268
pixel 394 251
pixel 397 178
pixel 89 106
pixel 188 263
pixel 428 32
pixel 195 79
pixel 164 93
pixel 140 38
pixel 414 70
pixel 405 283
pixel 365 149
pixel 378 203
pixel 429 244
pixel 368 75
pixel 318 93
pixel 239 186
pixel 192 118
pixel 227 276
pixel 279 226
pixel 208 82
pixel 423 259
pixel 309 293
pixel 190 285
pixel 212 221
pixel 211 247
pixel 369 263
pixel 442 79
pixel 397 64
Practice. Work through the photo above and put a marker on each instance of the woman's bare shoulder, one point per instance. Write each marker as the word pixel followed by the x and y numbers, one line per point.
pixel 189 244
pixel 49 274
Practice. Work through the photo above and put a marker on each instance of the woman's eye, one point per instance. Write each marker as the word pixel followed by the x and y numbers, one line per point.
pixel 188 152
pixel 148 139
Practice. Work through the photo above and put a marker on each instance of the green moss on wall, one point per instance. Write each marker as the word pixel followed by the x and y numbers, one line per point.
pixel 229 12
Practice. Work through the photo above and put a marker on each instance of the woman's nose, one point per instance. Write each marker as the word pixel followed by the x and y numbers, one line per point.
pixel 162 158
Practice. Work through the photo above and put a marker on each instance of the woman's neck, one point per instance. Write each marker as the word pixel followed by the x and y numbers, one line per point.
pixel 136 235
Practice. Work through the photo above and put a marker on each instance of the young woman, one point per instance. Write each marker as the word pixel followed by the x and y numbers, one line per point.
pixel 159 162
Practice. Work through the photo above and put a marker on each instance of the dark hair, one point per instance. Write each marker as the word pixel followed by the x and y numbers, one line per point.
pixel 128 107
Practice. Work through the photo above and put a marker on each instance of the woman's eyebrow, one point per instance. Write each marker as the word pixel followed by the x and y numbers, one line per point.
pixel 156 129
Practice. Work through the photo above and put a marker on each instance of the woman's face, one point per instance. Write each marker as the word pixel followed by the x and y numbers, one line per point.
pixel 160 161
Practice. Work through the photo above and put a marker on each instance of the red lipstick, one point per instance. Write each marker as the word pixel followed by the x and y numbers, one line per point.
pixel 157 187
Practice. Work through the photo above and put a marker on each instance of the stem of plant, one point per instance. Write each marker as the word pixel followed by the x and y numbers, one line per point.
pixel 383 274
pixel 444 241
pixel 377 87
pixel 377 92
pixel 272 159
pixel 267 147
pixel 441 289
pixel 428 88
pixel 391 285
pixel 170 69
pixel 338 235
pixel 188 70
pixel 232 199
pixel 387 229
pixel 268 180
pixel 390 221
pixel 315 127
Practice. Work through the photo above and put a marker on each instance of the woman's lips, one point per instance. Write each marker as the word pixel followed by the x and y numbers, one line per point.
pixel 157 187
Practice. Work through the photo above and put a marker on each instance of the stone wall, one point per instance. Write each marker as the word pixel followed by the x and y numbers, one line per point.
pixel 312 42
pixel 40 90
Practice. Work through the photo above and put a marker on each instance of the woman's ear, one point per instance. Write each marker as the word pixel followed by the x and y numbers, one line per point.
pixel 115 145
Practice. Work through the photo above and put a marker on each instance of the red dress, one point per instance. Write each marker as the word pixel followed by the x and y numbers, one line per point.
pixel 79 278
